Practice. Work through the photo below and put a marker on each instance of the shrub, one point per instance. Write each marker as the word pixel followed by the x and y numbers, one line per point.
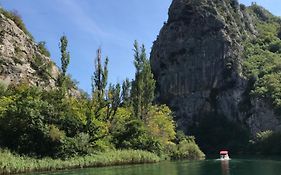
pixel 186 149
pixel 23 126
pixel 42 123
pixel 42 48
pixel 275 46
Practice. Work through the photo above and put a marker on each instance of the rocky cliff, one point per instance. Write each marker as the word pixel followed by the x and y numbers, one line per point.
pixel 21 60
pixel 197 62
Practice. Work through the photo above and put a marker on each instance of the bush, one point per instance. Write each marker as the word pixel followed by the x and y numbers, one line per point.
pixel 186 149
pixel 275 46
pixel 42 48
pixel 43 123
pixel 23 126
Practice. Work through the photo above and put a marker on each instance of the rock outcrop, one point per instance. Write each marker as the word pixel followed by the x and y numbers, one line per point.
pixel 196 61
pixel 21 60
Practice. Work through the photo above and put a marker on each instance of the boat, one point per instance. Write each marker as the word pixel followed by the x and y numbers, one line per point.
pixel 224 155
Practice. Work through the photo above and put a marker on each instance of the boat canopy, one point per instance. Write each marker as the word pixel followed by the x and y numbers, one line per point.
pixel 223 152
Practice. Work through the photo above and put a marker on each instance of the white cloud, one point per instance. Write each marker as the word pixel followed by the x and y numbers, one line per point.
pixel 74 12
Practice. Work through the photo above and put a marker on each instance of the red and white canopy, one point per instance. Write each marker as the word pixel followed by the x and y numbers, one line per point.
pixel 223 152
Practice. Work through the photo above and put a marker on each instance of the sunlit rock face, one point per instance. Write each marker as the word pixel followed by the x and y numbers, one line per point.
pixel 196 61
pixel 20 59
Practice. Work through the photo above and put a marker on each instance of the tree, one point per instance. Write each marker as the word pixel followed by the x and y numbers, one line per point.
pixel 97 112
pixel 144 85
pixel 65 59
pixel 125 94
pixel 99 79
pixel 113 100
pixel 160 123
pixel 99 82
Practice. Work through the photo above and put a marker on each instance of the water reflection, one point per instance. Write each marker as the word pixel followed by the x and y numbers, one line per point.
pixel 207 167
pixel 225 167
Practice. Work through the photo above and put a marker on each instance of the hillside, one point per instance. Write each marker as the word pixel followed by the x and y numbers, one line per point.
pixel 216 64
pixel 21 59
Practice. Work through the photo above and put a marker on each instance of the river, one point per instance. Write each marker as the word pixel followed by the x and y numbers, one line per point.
pixel 204 167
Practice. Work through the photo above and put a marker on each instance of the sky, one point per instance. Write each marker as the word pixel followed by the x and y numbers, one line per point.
pixel 113 25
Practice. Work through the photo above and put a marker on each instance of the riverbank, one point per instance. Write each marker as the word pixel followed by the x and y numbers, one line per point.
pixel 12 163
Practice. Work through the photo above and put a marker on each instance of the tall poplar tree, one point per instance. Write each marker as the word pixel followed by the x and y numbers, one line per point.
pixel 144 85
pixel 99 82
pixel 99 78
pixel 126 92
pixel 65 59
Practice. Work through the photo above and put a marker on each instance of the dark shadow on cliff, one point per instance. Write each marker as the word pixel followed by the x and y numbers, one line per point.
pixel 215 132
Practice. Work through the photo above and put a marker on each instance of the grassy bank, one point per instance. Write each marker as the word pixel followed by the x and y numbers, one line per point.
pixel 11 163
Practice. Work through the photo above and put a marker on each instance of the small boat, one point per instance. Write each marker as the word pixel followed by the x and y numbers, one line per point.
pixel 224 155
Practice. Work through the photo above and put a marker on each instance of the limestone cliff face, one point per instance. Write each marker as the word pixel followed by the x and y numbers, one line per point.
pixel 196 61
pixel 21 60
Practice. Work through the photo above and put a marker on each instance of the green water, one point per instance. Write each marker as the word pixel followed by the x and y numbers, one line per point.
pixel 206 167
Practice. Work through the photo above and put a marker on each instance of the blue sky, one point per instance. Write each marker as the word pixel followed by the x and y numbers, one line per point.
pixel 112 25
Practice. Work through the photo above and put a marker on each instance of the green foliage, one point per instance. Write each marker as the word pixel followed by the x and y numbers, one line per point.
pixel 160 123
pixel 125 95
pixel 13 163
pixel 186 149
pixel 42 48
pixel 65 59
pixel 130 133
pixel 263 57
pixel 279 33
pixel 42 67
pixel 99 79
pixel 22 122
pixel 143 86
pixel 113 100
pixel 260 13
pixel 45 123
pixel 101 100
pixel 42 123
pixel 14 16
pixel 3 87
pixel 266 143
